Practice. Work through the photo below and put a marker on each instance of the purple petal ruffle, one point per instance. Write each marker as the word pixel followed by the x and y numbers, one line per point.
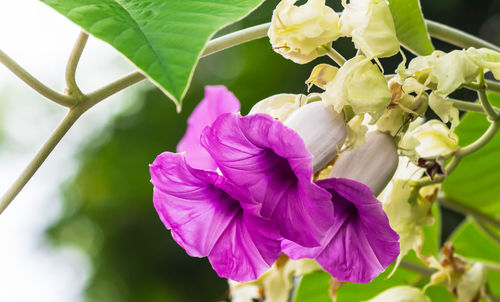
pixel 206 220
pixel 360 243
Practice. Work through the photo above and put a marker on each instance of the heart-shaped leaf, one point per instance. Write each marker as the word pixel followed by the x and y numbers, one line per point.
pixel 163 38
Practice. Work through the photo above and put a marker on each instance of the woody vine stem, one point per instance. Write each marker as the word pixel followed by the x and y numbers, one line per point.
pixel 78 102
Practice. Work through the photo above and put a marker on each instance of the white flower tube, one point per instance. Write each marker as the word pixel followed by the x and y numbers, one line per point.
pixel 322 129
pixel 372 164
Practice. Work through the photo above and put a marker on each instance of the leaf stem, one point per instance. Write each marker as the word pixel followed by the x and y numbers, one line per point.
pixel 100 94
pixel 467 211
pixel 457 37
pixel 31 81
pixel 486 229
pixel 460 153
pixel 468 106
pixel 72 88
pixel 471 106
pixel 493 86
pixel 483 98
pixel 88 101
pixel 480 142
pixel 422 270
pixel 236 38
pixel 40 157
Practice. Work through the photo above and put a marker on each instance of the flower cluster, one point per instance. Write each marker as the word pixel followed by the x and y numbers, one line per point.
pixel 303 33
pixel 299 176
pixel 260 199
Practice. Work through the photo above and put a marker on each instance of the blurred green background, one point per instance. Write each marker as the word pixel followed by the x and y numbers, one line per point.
pixel 108 211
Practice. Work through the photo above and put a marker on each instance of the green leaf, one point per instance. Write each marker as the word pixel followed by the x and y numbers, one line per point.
pixel 361 292
pixel 410 26
pixel 314 287
pixel 164 39
pixel 439 294
pixel 432 234
pixel 470 241
pixel 475 182
pixel 494 282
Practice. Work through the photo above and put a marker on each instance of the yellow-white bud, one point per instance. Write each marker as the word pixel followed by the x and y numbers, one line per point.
pixel 361 85
pixel 279 106
pixel 299 32
pixel 370 24
pixel 401 294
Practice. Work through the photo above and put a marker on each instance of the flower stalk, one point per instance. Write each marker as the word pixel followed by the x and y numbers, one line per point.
pixel 335 55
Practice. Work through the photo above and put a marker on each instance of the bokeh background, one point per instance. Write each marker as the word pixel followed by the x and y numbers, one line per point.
pixel 84 228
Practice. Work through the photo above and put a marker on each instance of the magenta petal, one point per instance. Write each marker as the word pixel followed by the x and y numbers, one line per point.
pixel 189 204
pixel 218 100
pixel 206 220
pixel 360 244
pixel 272 162
pixel 247 249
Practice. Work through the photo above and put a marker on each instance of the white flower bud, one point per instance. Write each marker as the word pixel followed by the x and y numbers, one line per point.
pixel 278 282
pixel 401 294
pixel 322 129
pixel 487 59
pixel 321 75
pixel 435 139
pixel 298 32
pixel 370 24
pixel 443 107
pixel 407 212
pixel 443 72
pixel 403 109
pixel 356 132
pixel 453 70
pixel 279 106
pixel 471 283
pixel 361 85
pixel 372 164
pixel 243 292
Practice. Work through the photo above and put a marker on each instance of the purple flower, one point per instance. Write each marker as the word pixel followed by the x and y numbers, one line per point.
pixel 264 201
pixel 360 243
pixel 271 161
pixel 208 217
pixel 218 100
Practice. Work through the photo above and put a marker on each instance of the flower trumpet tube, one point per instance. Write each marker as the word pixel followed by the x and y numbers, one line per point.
pixel 322 129
pixel 372 164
